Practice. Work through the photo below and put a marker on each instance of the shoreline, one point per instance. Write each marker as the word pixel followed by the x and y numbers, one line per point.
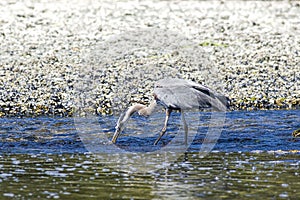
pixel 57 56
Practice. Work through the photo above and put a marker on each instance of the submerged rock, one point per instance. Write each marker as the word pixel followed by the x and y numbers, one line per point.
pixel 296 133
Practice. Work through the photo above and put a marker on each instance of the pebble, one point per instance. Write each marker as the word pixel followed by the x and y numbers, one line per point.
pixel 296 133
pixel 61 58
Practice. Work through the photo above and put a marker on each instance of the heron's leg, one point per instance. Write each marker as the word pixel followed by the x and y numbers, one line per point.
pixel 186 129
pixel 168 112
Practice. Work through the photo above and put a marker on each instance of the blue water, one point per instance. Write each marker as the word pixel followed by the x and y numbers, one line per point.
pixel 242 131
pixel 255 157
pixel 260 130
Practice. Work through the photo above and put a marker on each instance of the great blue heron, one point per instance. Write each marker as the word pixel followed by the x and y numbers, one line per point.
pixel 175 94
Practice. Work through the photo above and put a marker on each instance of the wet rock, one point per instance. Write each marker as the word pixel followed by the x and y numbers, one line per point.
pixel 296 133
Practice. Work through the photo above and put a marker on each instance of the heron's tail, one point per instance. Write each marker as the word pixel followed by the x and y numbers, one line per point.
pixel 224 102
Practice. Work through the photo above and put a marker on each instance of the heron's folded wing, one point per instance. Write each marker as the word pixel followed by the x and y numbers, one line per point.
pixel 184 94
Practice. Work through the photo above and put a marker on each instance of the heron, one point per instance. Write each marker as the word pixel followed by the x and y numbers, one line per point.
pixel 174 94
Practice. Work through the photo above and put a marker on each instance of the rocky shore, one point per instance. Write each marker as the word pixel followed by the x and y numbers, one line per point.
pixel 58 57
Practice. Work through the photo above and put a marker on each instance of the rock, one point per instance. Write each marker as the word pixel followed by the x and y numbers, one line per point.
pixel 296 133
pixel 58 58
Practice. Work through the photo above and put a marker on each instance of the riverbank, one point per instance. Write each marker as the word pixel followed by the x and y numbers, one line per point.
pixel 56 57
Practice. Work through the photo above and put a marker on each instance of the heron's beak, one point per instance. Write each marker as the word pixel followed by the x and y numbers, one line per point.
pixel 116 135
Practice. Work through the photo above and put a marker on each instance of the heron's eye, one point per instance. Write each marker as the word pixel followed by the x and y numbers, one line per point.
pixel 158 86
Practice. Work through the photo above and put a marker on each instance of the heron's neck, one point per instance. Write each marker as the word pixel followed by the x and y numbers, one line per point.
pixel 146 111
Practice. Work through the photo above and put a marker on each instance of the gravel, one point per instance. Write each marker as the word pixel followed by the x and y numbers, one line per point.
pixel 60 57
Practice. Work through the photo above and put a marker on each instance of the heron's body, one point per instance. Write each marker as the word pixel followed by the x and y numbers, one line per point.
pixel 180 94
pixel 175 94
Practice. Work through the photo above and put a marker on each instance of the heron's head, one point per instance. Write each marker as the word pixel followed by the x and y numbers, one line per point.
pixel 116 134
pixel 124 118
pixel 118 127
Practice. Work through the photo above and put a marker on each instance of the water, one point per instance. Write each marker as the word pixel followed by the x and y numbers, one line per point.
pixel 255 157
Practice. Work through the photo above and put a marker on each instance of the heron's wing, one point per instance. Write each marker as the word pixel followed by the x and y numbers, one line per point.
pixel 209 97
pixel 183 94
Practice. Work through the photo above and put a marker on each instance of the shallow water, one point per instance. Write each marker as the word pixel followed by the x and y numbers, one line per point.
pixel 254 157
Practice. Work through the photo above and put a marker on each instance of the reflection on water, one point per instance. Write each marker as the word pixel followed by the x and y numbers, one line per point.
pixel 219 175
pixel 255 157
